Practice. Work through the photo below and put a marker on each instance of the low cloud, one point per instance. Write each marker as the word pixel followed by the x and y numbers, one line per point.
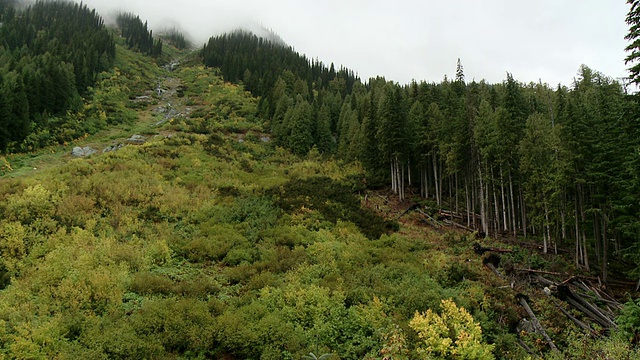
pixel 404 40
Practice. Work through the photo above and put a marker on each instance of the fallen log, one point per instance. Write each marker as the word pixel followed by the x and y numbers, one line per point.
pixel 495 271
pixel 607 302
pixel 545 281
pixel 578 323
pixel 525 347
pixel 600 295
pixel 523 301
pixel 592 311
pixel 540 272
pixel 449 214
pixel 412 207
pixel 604 323
pixel 430 218
pixel 455 224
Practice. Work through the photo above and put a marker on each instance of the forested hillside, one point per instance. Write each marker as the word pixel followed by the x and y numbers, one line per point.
pixel 52 57
pixel 138 36
pixel 558 164
pixel 50 54
pixel 244 202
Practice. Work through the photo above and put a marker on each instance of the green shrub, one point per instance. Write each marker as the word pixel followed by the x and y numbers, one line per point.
pixel 254 215
pixel 452 334
pixel 150 283
pixel 629 321
pixel 334 200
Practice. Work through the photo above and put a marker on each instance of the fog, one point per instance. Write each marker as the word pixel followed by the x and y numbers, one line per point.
pixel 403 40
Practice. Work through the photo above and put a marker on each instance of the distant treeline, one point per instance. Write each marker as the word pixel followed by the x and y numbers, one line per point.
pixel 50 53
pixel 138 36
pixel 259 63
pixel 511 158
pixel 176 38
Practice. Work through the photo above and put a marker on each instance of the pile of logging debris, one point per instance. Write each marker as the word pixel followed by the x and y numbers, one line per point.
pixel 585 294
pixel 440 221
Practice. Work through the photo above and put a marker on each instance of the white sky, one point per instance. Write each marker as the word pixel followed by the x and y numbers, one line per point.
pixel 409 39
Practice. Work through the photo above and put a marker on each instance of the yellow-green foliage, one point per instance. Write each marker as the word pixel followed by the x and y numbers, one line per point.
pixel 451 334
pixel 225 107
pixel 197 245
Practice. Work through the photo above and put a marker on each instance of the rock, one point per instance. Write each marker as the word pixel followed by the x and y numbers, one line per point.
pixel 83 151
pixel 114 147
pixel 136 139
pixel 526 326
pixel 265 139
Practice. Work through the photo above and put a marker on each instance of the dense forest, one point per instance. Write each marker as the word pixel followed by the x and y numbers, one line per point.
pixel 176 38
pixel 53 55
pixel 50 53
pixel 251 203
pixel 521 159
pixel 138 36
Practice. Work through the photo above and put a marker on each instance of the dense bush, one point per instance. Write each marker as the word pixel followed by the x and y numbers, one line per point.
pixel 334 200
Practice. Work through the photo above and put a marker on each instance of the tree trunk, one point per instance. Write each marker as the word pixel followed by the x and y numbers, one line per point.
pixel 495 205
pixel 504 207
pixel 524 213
pixel 457 193
pixel 562 218
pixel 596 237
pixel 436 180
pixel 583 231
pixel 483 215
pixel 605 248
pixel 450 188
pixel 441 180
pixel 403 184
pixel 547 226
pixel 393 178
pixel 474 197
pixel 467 201
pixel 513 208
pixel 421 182
pixel 579 259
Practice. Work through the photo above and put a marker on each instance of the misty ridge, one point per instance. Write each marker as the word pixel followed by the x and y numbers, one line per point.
pixel 196 30
pixel 192 25
pixel 407 40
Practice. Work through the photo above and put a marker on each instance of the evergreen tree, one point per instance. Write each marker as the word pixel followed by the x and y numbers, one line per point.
pixel 392 136
pixel 298 121
pixel 633 36
pixel 324 139
pixel 20 124
pixel 5 117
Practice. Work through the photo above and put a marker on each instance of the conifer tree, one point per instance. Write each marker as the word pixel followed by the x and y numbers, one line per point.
pixel 633 36
pixel 324 139
pixel 5 117
pixel 298 122
pixel 392 137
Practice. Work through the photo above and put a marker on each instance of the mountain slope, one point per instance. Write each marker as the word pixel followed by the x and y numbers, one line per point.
pixel 201 238
pixel 208 241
